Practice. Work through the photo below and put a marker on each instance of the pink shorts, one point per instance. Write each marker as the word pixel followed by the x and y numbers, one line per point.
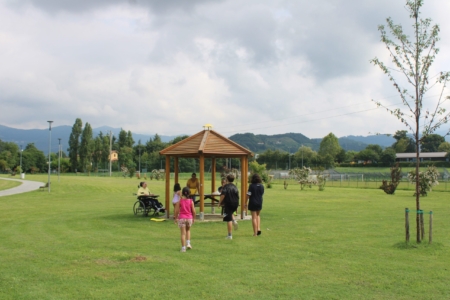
pixel 184 223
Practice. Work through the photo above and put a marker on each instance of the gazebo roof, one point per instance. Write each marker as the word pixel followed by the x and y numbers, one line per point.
pixel 209 143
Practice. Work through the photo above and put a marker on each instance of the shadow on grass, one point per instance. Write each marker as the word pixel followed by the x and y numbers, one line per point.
pixel 413 245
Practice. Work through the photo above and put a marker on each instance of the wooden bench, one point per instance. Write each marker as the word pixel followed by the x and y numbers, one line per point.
pixel 43 187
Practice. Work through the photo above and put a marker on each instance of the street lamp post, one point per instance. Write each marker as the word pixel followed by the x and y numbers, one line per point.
pixel 110 154
pixel 49 151
pixel 139 161
pixel 59 158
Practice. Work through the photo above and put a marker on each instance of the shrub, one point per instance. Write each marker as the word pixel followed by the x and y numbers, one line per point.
pixel 321 179
pixel 156 173
pixel 131 172
pixel 396 175
pixel 124 171
pixel 427 179
pixel 255 167
pixel 302 175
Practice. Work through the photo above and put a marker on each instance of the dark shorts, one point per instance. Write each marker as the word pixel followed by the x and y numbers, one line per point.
pixel 228 213
pixel 254 207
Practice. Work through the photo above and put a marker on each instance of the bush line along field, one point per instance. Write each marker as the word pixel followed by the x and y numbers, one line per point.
pixel 82 241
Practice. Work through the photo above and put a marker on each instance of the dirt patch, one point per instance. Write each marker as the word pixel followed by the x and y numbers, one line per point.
pixel 139 258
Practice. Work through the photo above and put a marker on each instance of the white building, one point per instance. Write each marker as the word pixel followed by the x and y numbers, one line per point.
pixel 423 156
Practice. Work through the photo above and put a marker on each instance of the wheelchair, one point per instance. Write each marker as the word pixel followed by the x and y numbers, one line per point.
pixel 146 205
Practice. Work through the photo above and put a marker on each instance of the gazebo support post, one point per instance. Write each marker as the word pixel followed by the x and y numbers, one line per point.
pixel 213 175
pixel 243 189
pixel 175 166
pixel 167 186
pixel 213 182
pixel 202 187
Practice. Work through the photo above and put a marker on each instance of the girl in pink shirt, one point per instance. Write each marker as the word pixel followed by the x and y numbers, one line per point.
pixel 184 216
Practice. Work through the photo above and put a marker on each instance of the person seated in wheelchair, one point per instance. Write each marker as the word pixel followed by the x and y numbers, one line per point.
pixel 143 191
pixel 148 198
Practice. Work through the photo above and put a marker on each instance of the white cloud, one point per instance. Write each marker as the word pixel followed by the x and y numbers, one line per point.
pixel 169 67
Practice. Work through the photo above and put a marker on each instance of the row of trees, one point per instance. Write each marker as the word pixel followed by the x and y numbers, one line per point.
pixel 33 159
pixel 429 143
pixel 330 152
pixel 88 153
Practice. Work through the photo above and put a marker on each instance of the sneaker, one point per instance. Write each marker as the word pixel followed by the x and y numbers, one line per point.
pixel 229 237
pixel 189 246
pixel 259 232
pixel 235 225
pixel 183 249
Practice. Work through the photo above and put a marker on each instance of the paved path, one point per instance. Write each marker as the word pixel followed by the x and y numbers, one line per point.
pixel 26 186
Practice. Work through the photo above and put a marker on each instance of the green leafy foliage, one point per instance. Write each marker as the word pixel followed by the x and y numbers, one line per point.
pixel 388 156
pixel 427 179
pixel 396 176
pixel 156 174
pixel 329 146
pixel 74 144
pixel 431 143
pixel 256 168
pixel 86 148
pixel 302 175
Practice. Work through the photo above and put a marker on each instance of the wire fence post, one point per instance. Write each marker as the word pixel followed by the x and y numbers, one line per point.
pixel 407 224
pixel 430 234
pixel 422 227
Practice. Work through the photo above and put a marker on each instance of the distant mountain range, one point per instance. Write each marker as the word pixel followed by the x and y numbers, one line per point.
pixel 289 142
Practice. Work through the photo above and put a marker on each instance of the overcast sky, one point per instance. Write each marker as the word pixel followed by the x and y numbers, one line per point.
pixel 171 66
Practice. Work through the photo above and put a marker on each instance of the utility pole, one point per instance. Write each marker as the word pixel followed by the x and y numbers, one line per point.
pixel 139 157
pixel 59 158
pixel 110 152
pixel 49 152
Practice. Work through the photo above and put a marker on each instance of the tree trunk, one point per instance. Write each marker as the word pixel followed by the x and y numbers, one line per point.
pixel 417 117
pixel 418 225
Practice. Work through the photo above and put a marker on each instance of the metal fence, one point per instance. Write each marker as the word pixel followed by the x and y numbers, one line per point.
pixel 366 180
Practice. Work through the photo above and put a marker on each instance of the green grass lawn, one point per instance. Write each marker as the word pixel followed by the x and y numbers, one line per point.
pixel 82 241
pixel 8 184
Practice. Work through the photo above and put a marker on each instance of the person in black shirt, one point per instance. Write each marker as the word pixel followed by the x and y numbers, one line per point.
pixel 254 202
pixel 229 199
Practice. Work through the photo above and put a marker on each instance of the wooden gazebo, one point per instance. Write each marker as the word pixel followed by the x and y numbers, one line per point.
pixel 207 144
